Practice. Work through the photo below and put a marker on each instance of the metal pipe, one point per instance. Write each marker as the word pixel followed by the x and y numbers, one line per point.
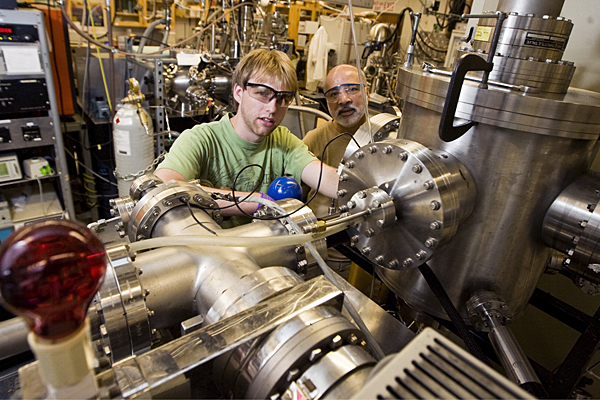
pixel 537 7
pixel 14 337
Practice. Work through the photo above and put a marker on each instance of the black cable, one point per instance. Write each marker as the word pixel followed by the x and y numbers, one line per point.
pixel 187 203
pixel 428 45
pixel 237 201
pixel 438 290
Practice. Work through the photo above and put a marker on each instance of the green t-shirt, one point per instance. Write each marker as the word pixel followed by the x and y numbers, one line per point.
pixel 316 140
pixel 215 152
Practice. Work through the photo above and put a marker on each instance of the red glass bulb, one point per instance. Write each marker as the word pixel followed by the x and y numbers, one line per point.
pixel 49 273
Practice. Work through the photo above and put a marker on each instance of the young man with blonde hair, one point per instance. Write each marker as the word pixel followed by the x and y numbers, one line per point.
pixel 264 85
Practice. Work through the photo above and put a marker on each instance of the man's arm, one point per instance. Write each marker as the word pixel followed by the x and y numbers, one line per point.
pixel 329 180
pixel 169 175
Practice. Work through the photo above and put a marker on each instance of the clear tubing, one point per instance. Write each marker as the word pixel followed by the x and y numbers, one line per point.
pixel 373 345
pixel 232 241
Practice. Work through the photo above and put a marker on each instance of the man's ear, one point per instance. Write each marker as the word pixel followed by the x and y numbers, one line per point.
pixel 237 93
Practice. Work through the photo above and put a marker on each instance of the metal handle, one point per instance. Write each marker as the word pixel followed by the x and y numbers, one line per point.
pixel 467 63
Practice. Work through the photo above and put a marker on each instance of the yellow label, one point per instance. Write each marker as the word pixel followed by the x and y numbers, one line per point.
pixel 483 33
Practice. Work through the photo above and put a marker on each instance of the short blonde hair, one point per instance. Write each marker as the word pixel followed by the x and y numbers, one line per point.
pixel 266 64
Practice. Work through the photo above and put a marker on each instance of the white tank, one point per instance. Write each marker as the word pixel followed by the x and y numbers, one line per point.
pixel 133 146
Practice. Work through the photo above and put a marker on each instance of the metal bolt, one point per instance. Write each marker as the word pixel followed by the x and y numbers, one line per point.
pixel 407 263
pixel 366 251
pixel 145 227
pixel 292 374
pixel 376 203
pixel 155 212
pixel 153 331
pixel 343 208
pixel 429 185
pixel 354 240
pixel 417 169
pixel 113 212
pixel 140 237
pixel 343 177
pixel 167 203
pixel 146 292
pixel 431 242
pixel 352 338
pixel 583 224
pixel 379 259
pixel 112 202
pixel 379 223
pixel 361 195
pixel 336 342
pixel 369 233
pixel 316 353
pixel 434 205
pixel 387 149
pixel 342 192
pixel 360 154
pixel 363 343
pixel 393 264
pixel 421 255
pixel 103 330
pixel 435 225
pixel 140 271
pixel 351 204
pixel 403 156
pixel 151 313
pixel 350 164
pixel 122 234
pixel 373 149
pixel 107 350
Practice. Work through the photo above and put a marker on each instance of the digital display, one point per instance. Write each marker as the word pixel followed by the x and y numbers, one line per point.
pixel 6 29
pixel 3 169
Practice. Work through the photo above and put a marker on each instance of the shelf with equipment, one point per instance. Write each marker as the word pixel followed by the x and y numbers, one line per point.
pixel 33 171
pixel 300 15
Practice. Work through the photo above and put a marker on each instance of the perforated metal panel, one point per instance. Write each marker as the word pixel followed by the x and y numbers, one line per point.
pixel 431 366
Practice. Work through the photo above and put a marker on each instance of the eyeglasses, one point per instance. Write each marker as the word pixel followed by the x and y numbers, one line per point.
pixel 265 94
pixel 334 94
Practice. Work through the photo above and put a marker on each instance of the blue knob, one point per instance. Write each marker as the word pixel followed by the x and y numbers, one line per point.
pixel 285 188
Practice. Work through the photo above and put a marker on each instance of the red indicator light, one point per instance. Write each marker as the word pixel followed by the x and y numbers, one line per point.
pixel 4 29
pixel 49 273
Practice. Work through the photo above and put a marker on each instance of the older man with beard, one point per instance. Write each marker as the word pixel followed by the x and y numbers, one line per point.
pixel 345 103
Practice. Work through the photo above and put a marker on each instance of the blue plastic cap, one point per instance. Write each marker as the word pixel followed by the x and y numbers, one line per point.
pixel 285 188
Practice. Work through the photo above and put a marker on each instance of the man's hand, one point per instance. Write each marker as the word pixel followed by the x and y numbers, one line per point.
pixel 329 180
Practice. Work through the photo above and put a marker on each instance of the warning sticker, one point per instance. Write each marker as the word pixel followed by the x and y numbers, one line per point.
pixel 545 41
pixel 483 33
pixel 122 143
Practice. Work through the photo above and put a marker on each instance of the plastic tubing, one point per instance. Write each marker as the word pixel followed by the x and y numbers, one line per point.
pixel 233 241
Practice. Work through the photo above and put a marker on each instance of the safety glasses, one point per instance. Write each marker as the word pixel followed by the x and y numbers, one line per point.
pixel 265 94
pixel 350 89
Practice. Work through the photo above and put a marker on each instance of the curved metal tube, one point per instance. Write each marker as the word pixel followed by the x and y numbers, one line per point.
pixel 309 110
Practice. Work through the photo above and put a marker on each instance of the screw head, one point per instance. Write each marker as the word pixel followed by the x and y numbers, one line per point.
pixel 428 185
pixel 373 149
pixel 393 264
pixel 421 255
pixel 435 225
pixel 369 233
pixel 407 262
pixel 167 203
pixel 360 154
pixel 342 192
pixel 366 251
pixel 435 205
pixel 343 177
pixel 379 223
pixel 387 149
pixel 361 195
pixel 351 204
pixel 379 259
pixel 350 164
pixel 354 240
pixel 403 156
pixel 431 242
pixel 417 169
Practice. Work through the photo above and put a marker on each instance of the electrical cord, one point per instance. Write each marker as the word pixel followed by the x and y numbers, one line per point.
pixel 89 169
pixel 187 203
pixel 267 218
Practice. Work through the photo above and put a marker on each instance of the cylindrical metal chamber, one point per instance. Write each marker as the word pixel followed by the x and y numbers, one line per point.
pixel 537 7
pixel 522 153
